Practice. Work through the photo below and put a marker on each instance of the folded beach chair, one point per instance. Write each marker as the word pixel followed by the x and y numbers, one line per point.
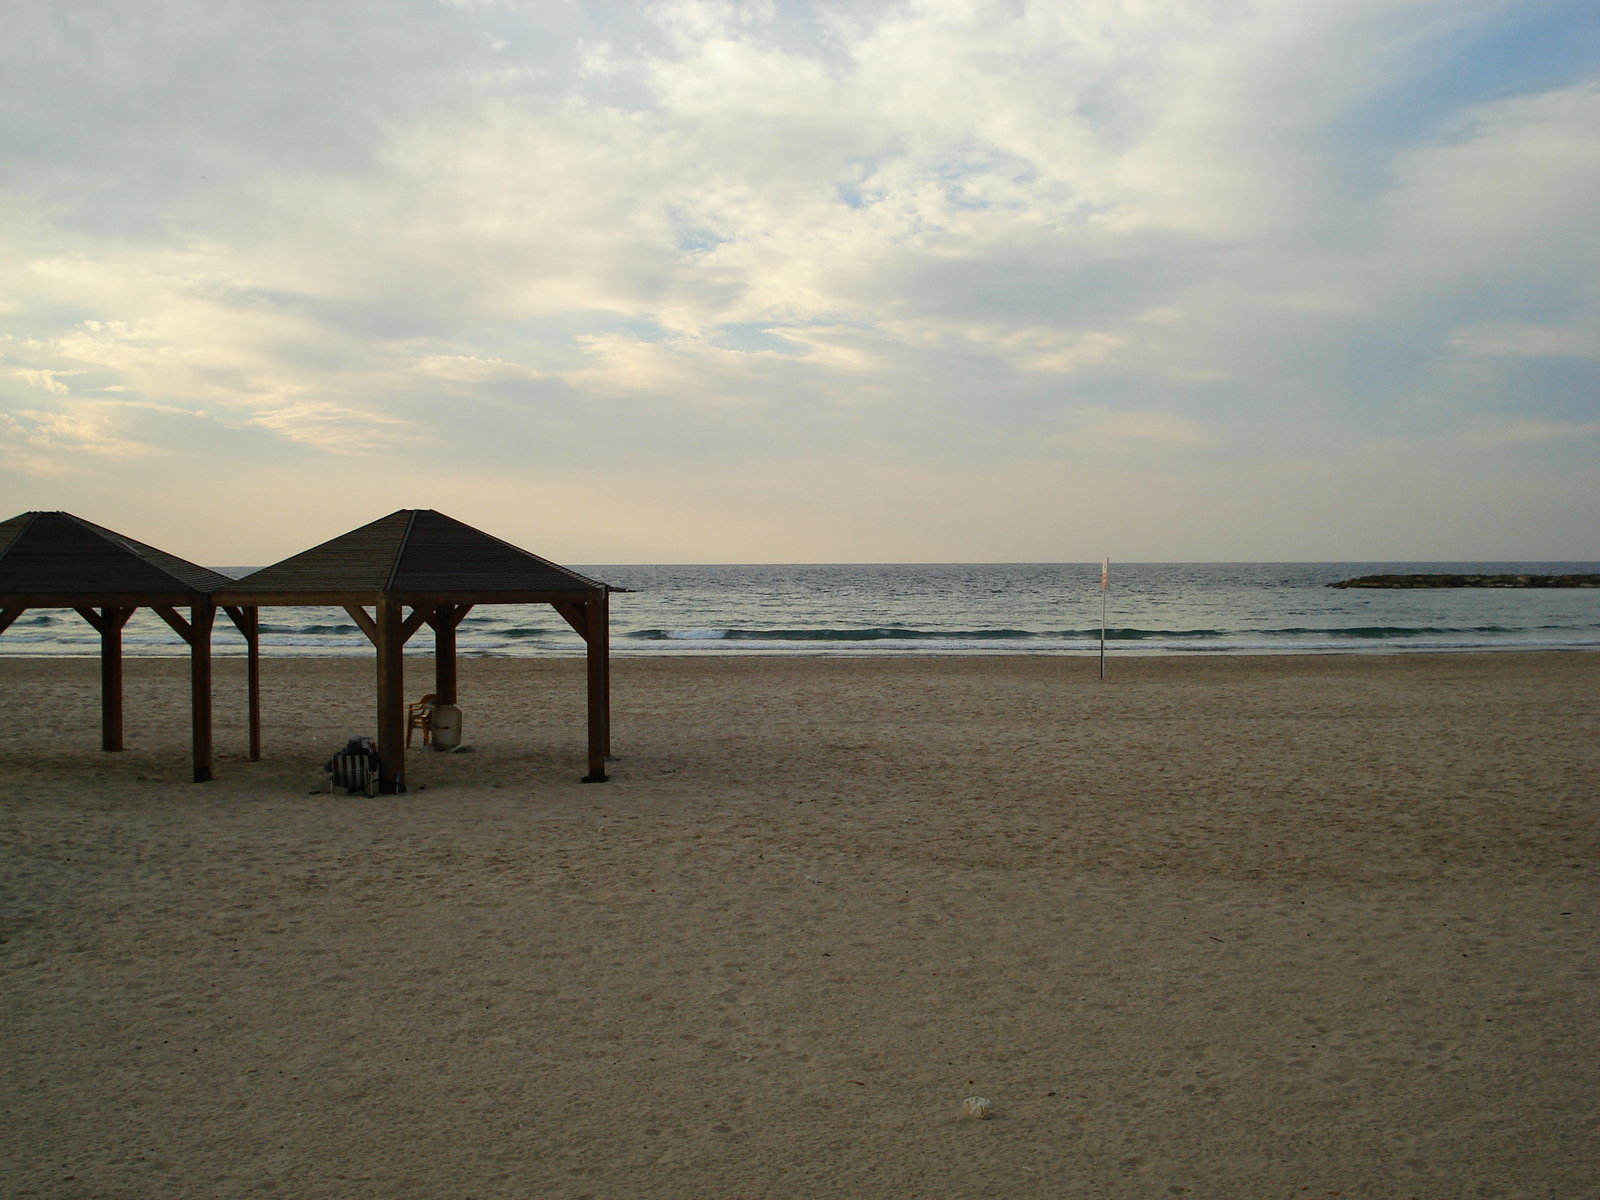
pixel 354 773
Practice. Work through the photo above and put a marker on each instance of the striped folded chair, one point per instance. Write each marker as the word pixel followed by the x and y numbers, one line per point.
pixel 354 773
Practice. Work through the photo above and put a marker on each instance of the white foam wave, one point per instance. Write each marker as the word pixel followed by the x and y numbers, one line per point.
pixel 289 639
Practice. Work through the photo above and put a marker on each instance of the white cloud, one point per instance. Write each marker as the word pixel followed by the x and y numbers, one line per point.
pixel 55 441
pixel 469 368
pixel 1512 432
pixel 1515 339
pixel 948 236
pixel 337 429
pixel 50 381
pixel 1101 428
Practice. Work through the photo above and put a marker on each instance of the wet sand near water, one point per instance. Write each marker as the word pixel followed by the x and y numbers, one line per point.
pixel 1244 927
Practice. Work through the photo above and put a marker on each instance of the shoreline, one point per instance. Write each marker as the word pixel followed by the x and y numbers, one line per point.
pixel 1122 651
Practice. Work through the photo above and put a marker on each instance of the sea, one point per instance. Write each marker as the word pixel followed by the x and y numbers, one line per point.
pixel 898 609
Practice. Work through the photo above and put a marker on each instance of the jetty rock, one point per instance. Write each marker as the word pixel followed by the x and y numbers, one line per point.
pixel 1469 581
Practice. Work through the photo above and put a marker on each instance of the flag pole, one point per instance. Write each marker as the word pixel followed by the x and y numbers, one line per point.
pixel 1105 573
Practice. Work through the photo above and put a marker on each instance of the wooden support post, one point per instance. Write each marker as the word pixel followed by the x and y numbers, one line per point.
pixel 444 656
pixel 8 615
pixel 444 620
pixel 110 680
pixel 605 635
pixel 248 622
pixel 598 636
pixel 109 623
pixel 252 652
pixel 391 697
pixel 201 619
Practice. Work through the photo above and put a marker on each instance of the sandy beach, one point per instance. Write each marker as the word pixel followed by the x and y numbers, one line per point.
pixel 1244 927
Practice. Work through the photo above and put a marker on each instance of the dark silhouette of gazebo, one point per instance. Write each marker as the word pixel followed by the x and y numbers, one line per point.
pixel 57 560
pixel 439 569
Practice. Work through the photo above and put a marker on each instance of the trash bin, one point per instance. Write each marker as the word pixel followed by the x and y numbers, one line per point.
pixel 446 727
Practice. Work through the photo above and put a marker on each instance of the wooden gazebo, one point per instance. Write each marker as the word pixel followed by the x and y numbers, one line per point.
pixel 437 568
pixel 57 560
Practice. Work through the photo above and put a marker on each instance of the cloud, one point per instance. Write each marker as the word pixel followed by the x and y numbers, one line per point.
pixel 470 242
pixel 56 441
pixel 1515 339
pixel 1523 432
pixel 336 429
pixel 1144 428
pixel 50 381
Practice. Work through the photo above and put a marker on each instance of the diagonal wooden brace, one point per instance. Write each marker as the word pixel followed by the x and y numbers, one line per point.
pixel 364 622
pixel 576 615
pixel 414 622
pixel 179 626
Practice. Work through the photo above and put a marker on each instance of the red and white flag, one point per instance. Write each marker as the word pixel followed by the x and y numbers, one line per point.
pixel 1105 573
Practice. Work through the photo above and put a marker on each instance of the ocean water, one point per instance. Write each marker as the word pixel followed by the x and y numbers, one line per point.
pixel 963 608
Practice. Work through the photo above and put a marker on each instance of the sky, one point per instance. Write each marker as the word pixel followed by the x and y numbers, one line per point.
pixel 1290 280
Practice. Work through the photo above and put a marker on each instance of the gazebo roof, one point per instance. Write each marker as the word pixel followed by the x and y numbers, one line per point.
pixel 414 550
pixel 46 555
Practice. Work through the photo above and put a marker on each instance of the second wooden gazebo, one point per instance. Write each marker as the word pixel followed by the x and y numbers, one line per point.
pixel 437 568
pixel 57 560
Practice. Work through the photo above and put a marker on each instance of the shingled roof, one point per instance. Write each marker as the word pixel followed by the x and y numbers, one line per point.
pixel 415 550
pixel 57 554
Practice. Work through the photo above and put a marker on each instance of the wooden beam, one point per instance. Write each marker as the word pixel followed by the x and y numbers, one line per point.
pixel 89 615
pixel 363 621
pixel 471 596
pixel 8 615
pixel 201 619
pixel 101 599
pixel 414 622
pixel 248 598
pixel 449 614
pixel 179 626
pixel 598 660
pixel 267 599
pixel 391 698
pixel 576 615
pixel 248 622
